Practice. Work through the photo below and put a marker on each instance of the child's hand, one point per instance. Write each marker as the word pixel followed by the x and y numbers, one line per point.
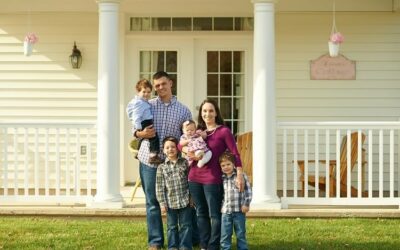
pixel 240 182
pixel 164 209
pixel 184 142
pixel 203 134
pixel 192 156
pixel 245 209
pixel 199 154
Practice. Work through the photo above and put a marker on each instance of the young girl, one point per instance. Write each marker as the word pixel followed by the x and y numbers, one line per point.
pixel 194 141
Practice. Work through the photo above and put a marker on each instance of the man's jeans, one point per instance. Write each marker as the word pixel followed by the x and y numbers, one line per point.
pixel 208 199
pixel 179 228
pixel 155 234
pixel 232 221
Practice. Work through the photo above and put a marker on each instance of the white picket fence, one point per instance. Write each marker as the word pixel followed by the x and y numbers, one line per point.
pixel 376 180
pixel 47 162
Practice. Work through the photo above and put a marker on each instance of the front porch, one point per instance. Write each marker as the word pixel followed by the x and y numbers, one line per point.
pixel 338 163
pixel 54 164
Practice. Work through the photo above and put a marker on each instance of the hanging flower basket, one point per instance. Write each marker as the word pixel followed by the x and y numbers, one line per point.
pixel 29 41
pixel 335 40
pixel 28 48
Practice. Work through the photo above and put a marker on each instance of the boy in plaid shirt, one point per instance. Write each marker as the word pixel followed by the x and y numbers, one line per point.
pixel 235 204
pixel 172 190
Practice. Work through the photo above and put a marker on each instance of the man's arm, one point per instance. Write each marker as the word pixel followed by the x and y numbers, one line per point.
pixel 147 132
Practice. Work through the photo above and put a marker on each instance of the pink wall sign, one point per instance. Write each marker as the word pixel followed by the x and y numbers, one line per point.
pixel 332 68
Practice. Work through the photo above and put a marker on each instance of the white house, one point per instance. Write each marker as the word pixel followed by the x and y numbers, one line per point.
pixel 64 132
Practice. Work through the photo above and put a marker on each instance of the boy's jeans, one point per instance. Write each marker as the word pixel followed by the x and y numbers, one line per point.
pixel 229 222
pixel 179 228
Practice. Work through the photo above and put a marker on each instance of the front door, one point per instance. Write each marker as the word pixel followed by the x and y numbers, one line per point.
pixel 201 67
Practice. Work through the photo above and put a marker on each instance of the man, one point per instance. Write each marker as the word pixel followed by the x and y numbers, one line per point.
pixel 168 114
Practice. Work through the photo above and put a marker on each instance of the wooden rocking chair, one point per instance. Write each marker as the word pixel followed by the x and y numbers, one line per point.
pixel 245 148
pixel 133 148
pixel 321 181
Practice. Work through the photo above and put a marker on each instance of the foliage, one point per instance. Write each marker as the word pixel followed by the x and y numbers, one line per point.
pixel 130 233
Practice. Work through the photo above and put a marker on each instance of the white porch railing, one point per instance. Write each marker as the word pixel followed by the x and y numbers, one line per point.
pixel 373 179
pixel 47 162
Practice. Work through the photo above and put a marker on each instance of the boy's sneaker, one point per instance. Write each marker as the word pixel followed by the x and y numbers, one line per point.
pixel 155 160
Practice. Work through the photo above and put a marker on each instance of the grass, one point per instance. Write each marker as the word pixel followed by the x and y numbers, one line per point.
pixel 129 233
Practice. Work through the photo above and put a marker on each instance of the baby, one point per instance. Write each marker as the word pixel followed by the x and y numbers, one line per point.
pixel 194 140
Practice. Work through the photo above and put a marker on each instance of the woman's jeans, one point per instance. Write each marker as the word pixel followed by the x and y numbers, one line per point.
pixel 232 221
pixel 208 199
pixel 179 228
pixel 155 234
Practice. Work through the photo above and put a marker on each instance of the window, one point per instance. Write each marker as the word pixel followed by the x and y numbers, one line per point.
pixel 225 84
pixel 153 61
pixel 191 23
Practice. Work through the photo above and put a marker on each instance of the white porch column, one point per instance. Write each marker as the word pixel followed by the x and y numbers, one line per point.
pixel 264 117
pixel 108 173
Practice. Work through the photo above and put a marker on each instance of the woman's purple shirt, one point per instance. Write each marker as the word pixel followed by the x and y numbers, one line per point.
pixel 218 141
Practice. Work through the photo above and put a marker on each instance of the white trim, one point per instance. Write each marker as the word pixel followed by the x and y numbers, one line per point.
pixel 43 200
pixel 340 125
pixel 340 201
pixel 47 124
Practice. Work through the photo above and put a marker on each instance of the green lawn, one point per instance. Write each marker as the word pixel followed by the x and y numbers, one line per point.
pixel 130 233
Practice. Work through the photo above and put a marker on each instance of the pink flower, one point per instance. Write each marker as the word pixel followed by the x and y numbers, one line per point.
pixel 31 38
pixel 336 38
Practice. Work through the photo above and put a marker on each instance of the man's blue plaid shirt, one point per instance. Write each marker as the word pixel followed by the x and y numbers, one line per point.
pixel 168 118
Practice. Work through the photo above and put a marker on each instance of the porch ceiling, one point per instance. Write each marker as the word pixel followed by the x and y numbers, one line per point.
pixel 197 7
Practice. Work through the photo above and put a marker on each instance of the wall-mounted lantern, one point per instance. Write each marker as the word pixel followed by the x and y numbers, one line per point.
pixel 75 58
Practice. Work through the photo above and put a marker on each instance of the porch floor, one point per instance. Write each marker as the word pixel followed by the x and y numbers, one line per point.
pixel 136 208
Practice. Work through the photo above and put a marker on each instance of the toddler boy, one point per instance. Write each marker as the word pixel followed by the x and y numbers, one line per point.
pixel 141 116
pixel 235 204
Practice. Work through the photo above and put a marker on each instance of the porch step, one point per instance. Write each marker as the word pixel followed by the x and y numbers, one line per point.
pixel 139 211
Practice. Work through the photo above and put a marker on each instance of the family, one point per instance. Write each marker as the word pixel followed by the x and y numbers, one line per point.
pixel 193 174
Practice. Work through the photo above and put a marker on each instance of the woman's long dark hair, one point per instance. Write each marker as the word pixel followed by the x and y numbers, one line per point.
pixel 218 119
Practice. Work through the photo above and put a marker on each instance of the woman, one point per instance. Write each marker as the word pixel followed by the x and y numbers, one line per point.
pixel 205 184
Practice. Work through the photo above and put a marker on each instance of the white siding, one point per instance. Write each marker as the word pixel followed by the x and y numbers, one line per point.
pixel 372 40
pixel 43 85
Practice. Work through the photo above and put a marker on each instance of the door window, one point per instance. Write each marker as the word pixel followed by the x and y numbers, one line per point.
pixel 225 84
pixel 154 61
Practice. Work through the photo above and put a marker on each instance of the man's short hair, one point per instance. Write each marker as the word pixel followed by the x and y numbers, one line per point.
pixel 161 74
